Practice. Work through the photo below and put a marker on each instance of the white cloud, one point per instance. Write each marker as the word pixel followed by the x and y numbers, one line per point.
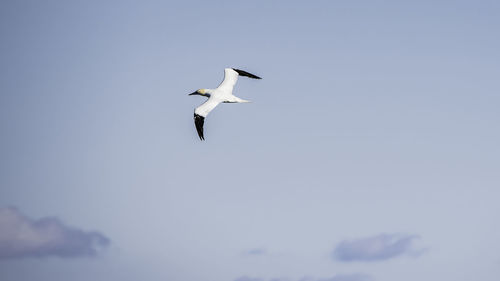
pixel 338 277
pixel 375 248
pixel 21 237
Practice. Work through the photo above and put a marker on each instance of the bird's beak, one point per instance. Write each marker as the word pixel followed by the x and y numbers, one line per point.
pixel 194 93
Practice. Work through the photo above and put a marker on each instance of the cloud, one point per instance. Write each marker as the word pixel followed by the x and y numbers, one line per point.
pixel 376 248
pixel 22 237
pixel 349 277
pixel 338 277
pixel 256 252
pixel 246 278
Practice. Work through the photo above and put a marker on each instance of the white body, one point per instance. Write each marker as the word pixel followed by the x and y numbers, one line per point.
pixel 223 93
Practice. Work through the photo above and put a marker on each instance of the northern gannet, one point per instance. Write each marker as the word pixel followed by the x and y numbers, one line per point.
pixel 223 93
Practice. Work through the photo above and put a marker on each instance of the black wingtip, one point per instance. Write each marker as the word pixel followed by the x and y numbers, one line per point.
pixel 198 122
pixel 244 73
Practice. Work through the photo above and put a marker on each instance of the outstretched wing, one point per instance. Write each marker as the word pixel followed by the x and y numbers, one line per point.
pixel 231 76
pixel 198 122
pixel 244 73
pixel 201 112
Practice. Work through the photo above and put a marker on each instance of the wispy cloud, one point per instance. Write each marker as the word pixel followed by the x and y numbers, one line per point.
pixel 375 248
pixel 349 277
pixel 22 237
pixel 338 277
pixel 246 278
pixel 255 252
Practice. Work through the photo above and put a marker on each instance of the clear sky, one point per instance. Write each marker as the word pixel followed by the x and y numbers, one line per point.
pixel 370 151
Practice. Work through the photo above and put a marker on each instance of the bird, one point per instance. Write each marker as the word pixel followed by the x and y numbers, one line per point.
pixel 222 94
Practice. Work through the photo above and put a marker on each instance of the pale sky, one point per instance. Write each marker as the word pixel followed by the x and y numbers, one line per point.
pixel 369 151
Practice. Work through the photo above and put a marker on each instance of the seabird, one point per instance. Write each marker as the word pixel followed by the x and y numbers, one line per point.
pixel 223 93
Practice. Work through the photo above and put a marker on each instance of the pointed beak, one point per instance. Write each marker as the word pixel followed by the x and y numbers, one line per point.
pixel 194 93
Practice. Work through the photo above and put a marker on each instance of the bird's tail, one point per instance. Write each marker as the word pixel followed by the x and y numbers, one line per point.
pixel 241 100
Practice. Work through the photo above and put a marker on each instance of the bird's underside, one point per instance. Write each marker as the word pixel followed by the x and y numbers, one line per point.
pixel 222 94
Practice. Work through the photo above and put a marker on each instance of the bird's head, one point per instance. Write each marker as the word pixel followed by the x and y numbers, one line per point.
pixel 201 92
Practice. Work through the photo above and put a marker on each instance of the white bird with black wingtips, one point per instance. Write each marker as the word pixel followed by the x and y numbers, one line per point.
pixel 223 93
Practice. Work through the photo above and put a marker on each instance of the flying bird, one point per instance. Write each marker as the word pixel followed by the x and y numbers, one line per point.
pixel 223 93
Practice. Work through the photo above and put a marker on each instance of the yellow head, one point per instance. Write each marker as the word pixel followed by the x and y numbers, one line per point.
pixel 201 92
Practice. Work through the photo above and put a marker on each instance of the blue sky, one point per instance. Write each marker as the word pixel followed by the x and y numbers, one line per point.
pixel 370 151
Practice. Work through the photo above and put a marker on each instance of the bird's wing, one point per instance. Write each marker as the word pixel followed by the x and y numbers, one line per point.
pixel 201 112
pixel 244 73
pixel 231 76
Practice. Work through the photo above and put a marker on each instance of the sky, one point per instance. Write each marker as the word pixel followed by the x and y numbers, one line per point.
pixel 369 151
